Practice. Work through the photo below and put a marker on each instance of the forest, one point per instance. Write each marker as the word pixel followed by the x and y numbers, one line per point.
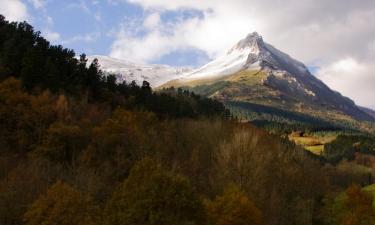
pixel 77 147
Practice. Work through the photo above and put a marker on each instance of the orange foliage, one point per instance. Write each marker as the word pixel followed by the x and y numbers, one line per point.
pixel 233 208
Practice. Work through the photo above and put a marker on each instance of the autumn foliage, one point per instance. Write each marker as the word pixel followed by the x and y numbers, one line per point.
pixel 233 208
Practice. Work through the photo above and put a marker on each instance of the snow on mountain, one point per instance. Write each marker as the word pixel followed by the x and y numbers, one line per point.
pixel 284 73
pixel 130 71
pixel 235 60
pixel 250 53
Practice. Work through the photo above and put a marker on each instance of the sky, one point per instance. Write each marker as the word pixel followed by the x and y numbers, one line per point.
pixel 334 38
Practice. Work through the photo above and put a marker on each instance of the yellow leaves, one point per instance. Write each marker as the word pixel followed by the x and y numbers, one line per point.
pixel 62 107
pixel 62 142
pixel 125 128
pixel 15 116
pixel 11 91
pixel 61 205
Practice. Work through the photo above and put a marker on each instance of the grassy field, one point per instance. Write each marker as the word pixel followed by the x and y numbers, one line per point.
pixel 313 143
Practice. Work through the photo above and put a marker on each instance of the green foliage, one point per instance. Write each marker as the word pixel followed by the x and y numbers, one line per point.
pixel 279 121
pixel 153 196
pixel 354 206
pixel 345 147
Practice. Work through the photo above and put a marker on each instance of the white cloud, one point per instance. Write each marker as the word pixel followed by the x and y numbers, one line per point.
pixel 81 5
pixel 90 37
pixel 352 78
pixel 152 21
pixel 206 34
pixel 37 3
pixel 13 10
pixel 49 20
pixel 291 24
pixel 51 35
pixel 152 46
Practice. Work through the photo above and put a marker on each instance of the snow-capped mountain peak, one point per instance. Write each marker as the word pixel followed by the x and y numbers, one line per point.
pixel 253 43
pixel 237 58
pixel 283 77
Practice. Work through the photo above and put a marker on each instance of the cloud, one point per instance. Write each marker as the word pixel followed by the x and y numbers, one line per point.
pixel 13 10
pixel 51 35
pixel 352 78
pixel 81 5
pixel 37 3
pixel 291 24
pixel 149 47
pixel 162 38
pixel 152 21
pixel 90 37
pixel 86 6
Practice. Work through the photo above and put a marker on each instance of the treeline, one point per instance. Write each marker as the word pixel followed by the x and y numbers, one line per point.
pixel 78 148
pixel 26 55
pixel 346 147
pixel 278 121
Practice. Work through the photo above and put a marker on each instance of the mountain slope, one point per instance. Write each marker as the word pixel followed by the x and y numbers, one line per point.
pixel 368 111
pixel 129 71
pixel 256 72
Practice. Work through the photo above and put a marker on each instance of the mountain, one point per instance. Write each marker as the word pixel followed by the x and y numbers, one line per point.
pixel 368 111
pixel 129 71
pixel 255 72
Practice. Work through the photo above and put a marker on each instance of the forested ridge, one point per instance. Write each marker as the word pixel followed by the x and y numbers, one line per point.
pixel 77 147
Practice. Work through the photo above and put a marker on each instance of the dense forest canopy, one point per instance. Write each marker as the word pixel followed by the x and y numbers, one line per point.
pixel 77 147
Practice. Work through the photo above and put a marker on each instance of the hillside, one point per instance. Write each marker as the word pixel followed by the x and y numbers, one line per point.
pixel 369 111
